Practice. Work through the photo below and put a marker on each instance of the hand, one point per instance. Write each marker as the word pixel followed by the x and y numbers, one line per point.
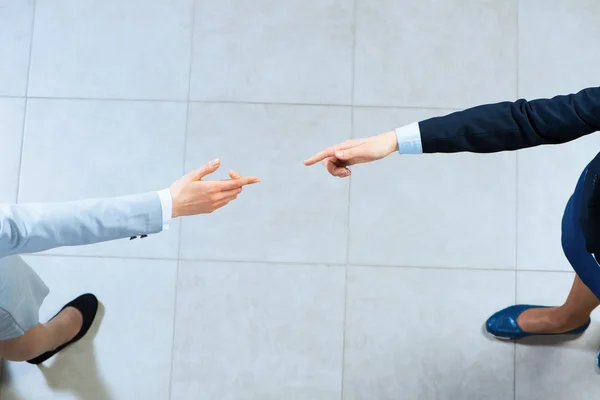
pixel 355 151
pixel 191 195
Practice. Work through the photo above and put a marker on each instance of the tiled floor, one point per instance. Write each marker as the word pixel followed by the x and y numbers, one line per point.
pixel 307 287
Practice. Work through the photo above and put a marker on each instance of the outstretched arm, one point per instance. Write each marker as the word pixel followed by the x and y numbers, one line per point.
pixel 32 228
pixel 482 129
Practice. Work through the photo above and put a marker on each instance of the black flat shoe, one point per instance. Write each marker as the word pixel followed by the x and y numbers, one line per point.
pixel 87 305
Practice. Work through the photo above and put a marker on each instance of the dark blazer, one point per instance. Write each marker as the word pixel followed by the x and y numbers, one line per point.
pixel 522 124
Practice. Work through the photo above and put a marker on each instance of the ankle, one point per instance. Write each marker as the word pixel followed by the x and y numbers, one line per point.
pixel 564 318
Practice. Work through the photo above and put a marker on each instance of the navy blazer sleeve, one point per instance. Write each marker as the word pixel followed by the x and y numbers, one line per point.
pixel 513 125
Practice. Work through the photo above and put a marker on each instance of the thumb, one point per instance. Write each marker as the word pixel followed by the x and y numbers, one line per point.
pixel 347 154
pixel 206 169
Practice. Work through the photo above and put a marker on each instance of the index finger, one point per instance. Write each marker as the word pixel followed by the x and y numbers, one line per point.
pixel 237 183
pixel 328 152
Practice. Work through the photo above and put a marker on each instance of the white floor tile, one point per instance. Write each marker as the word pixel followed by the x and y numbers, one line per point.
pixel 417 334
pixel 558 47
pixel 257 331
pixel 453 53
pixel 11 135
pixel 265 51
pixel 136 49
pixel 15 39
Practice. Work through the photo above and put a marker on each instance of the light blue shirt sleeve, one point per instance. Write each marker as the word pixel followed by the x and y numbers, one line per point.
pixel 30 228
pixel 409 139
pixel 166 202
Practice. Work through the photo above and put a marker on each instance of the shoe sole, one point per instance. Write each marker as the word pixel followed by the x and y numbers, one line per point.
pixel 547 334
pixel 503 338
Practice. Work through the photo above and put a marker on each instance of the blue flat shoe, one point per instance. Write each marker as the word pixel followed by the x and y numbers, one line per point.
pixel 503 324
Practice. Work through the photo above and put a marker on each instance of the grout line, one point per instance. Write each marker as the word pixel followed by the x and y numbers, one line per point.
pixel 301 264
pixel 107 99
pixel 187 119
pixel 231 102
pixel 517 49
pixel 516 270
pixel 347 265
pixel 517 157
pixel 20 174
pixel 26 103
pixel 516 207
pixel 451 109
pixel 108 257
pixel 31 48
pixel 515 345
pixel 517 166
pixel 516 212
pixel 330 264
pixel 344 325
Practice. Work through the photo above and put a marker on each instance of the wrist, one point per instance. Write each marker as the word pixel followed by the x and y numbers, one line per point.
pixel 391 141
pixel 166 205
pixel 408 139
pixel 174 207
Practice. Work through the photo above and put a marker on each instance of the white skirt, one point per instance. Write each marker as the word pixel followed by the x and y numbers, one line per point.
pixel 22 293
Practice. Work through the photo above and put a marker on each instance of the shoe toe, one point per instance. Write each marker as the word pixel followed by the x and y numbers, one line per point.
pixel 500 325
pixel 503 324
pixel 491 325
pixel 90 301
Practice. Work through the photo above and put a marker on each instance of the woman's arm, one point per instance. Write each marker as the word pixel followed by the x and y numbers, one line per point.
pixel 31 228
pixel 483 129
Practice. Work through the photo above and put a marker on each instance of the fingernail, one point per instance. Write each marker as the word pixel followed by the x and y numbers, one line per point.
pixel 339 153
pixel 214 162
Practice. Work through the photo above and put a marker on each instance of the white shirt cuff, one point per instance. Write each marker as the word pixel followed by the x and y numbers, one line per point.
pixel 166 201
pixel 409 139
